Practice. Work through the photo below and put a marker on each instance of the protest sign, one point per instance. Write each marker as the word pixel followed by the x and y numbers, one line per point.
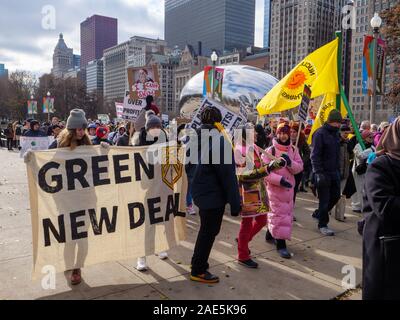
pixel 104 118
pixel 143 82
pixel 305 103
pixel 230 120
pixel 119 109
pixel 34 144
pixel 93 205
pixel 132 108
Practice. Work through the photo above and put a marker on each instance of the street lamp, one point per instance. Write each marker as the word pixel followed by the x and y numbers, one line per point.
pixel 214 59
pixel 376 23
pixel 48 106
pixel 33 115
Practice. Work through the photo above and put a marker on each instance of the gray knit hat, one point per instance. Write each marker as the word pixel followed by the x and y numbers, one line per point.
pixel 152 121
pixel 77 120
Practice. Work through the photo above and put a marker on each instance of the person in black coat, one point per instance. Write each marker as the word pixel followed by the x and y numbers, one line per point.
pixel 35 130
pixel 381 236
pixel 326 165
pixel 214 185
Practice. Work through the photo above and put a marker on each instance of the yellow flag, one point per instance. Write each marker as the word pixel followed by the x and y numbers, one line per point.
pixel 327 105
pixel 318 70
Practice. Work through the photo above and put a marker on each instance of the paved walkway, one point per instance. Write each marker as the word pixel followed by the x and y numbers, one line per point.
pixel 315 272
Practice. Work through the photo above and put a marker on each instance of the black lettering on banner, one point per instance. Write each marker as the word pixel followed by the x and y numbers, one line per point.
pixel 75 225
pixel 104 217
pixel 97 170
pixel 131 209
pixel 140 163
pixel 118 168
pixel 55 178
pixel 79 175
pixel 58 235
pixel 172 207
pixel 153 210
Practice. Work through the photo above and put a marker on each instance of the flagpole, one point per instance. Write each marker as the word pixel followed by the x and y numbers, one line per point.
pixel 352 120
pixel 339 63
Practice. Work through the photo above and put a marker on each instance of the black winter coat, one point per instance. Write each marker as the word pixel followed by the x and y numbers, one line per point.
pixel 381 265
pixel 325 151
pixel 215 185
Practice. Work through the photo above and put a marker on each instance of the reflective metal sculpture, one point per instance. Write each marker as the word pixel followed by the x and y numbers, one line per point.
pixel 242 85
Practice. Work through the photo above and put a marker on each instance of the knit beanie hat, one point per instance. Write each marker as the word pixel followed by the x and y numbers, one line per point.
pixel 335 116
pixel 101 132
pixel 77 120
pixel 283 128
pixel 152 121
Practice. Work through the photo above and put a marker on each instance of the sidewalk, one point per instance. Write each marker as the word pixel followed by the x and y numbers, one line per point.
pixel 315 271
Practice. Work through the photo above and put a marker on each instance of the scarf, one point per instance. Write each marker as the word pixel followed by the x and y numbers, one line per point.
pixel 390 141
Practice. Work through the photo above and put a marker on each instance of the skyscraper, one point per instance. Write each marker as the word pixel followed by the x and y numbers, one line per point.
pixel 267 22
pixel 220 25
pixel 3 71
pixel 360 102
pixel 297 29
pixel 63 58
pixel 97 34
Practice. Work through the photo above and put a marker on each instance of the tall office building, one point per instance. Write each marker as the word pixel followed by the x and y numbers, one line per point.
pixel 63 58
pixel 220 25
pixel 97 34
pixel 267 22
pixel 361 103
pixel 297 28
pixel 3 71
pixel 94 76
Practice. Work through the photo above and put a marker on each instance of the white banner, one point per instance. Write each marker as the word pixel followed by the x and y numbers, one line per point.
pixel 34 144
pixel 94 205
pixel 230 120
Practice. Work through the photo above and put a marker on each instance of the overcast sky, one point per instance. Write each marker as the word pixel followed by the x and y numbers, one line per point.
pixel 25 44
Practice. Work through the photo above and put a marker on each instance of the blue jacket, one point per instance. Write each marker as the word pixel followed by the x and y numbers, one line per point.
pixel 35 133
pixel 214 185
pixel 326 151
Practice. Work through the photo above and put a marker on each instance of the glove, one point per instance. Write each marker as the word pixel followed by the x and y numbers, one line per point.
pixel 320 180
pixel 105 145
pixel 28 156
pixel 236 213
pixel 286 184
pixel 287 159
pixel 275 165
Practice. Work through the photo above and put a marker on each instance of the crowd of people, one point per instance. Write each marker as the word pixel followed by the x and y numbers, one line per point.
pixel 335 167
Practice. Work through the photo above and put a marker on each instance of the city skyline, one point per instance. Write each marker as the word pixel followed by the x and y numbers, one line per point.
pixel 30 47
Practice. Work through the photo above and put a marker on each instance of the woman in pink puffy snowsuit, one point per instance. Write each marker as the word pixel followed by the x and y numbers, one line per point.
pixel 280 188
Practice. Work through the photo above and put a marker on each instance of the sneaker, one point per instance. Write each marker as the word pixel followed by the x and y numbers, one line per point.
pixel 206 277
pixel 190 210
pixel 249 264
pixel 141 264
pixel 284 253
pixel 76 277
pixel 163 255
pixel 327 232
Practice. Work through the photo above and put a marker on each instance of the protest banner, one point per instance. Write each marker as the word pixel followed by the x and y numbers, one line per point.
pixel 132 108
pixel 94 205
pixel 230 120
pixel 34 144
pixel 104 118
pixel 119 110
pixel 143 82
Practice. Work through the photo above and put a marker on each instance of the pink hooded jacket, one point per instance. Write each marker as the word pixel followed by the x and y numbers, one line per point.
pixel 281 199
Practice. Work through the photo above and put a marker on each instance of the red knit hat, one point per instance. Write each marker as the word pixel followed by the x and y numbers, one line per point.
pixel 101 132
pixel 283 128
